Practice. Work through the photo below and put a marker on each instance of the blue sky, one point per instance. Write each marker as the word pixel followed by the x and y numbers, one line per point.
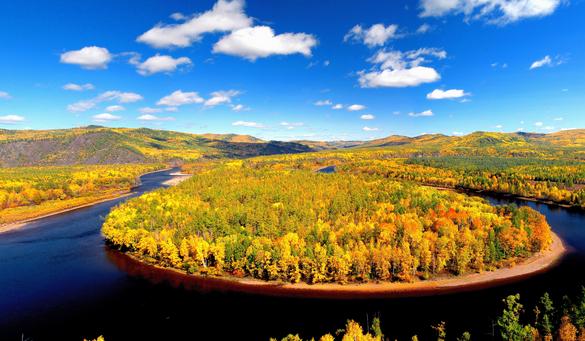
pixel 261 67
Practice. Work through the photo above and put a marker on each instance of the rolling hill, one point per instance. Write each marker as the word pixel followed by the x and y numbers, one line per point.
pixel 99 145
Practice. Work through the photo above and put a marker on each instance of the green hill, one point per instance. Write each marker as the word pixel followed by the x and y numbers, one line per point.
pixel 99 145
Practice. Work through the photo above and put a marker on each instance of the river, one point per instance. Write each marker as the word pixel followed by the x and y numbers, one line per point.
pixel 59 281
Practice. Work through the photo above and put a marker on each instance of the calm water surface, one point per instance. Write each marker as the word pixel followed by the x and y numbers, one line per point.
pixel 59 281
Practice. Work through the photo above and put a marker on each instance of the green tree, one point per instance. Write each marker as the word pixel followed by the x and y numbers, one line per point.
pixel 511 328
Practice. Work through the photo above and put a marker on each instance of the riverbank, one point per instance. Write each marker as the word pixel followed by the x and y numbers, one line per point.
pixel 536 264
pixel 72 205
pixel 178 177
pixel 481 192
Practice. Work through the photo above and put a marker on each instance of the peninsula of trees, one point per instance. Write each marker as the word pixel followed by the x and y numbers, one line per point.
pixel 264 219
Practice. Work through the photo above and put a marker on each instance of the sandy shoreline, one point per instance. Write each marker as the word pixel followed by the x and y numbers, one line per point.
pixel 178 177
pixel 536 264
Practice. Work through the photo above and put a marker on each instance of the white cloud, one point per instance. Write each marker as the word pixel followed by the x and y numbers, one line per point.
pixel 240 107
pixel 78 87
pixel 113 95
pixel 424 28
pixel 151 118
pixel 178 16
pixel 225 16
pixel 260 42
pixel 495 11
pixel 558 118
pixel 401 69
pixel 457 133
pixel 291 125
pixel 419 114
pixel 446 94
pixel 337 107
pixel 179 97
pixel 5 95
pixel 149 110
pixel 161 63
pixel 538 124
pixel 367 117
pixel 89 57
pixel 549 128
pixel 105 117
pixel 547 61
pixel 221 97
pixel 323 102
pixel 11 119
pixel 499 126
pixel 370 129
pixel 247 124
pixel 399 78
pixel 376 35
pixel 356 107
pixel 114 108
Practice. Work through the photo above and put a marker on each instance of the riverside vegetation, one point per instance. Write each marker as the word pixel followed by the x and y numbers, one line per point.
pixel 29 192
pixel 545 322
pixel 274 218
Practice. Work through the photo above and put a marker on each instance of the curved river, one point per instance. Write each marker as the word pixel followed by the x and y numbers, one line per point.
pixel 59 281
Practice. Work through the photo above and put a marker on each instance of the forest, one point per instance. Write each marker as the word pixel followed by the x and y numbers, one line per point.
pixel 273 222
pixel 546 321
pixel 556 179
pixel 28 192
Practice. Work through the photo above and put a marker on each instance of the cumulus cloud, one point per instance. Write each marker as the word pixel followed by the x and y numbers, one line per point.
pixel 538 124
pixel 113 95
pixel 421 114
pixel 5 95
pixel 89 57
pixel 401 69
pixel 248 124
pixel 375 35
pixel 221 97
pixel 114 108
pixel 337 107
pixel 225 16
pixel 179 98
pixel 370 128
pixel 291 125
pixel 356 107
pixel 457 133
pixel 105 117
pixel 446 94
pixel 11 119
pixel 323 102
pixel 260 42
pixel 495 11
pixel 367 117
pixel 78 87
pixel 160 63
pixel 152 118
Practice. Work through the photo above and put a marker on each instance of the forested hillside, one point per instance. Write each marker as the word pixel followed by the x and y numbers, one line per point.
pixel 99 145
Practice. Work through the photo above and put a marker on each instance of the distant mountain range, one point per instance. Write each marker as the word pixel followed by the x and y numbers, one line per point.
pixel 101 145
